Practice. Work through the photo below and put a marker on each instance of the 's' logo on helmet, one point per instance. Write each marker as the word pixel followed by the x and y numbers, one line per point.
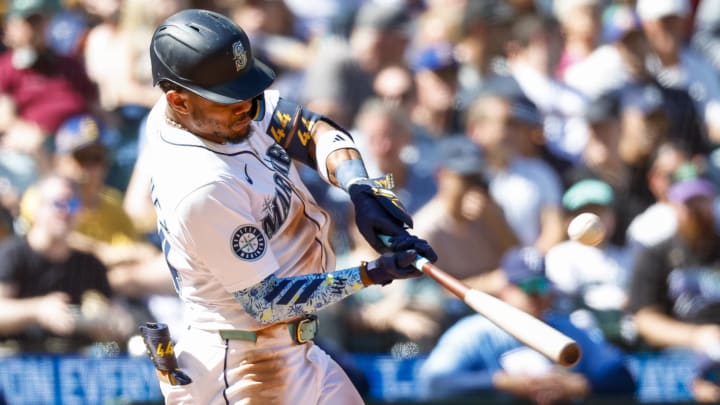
pixel 239 56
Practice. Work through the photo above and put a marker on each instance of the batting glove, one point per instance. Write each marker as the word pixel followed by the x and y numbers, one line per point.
pixel 405 241
pixel 392 266
pixel 378 211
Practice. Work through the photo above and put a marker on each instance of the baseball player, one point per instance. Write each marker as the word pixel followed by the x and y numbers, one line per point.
pixel 245 242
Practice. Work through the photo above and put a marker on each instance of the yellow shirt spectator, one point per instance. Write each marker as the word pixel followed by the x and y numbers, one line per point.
pixel 107 222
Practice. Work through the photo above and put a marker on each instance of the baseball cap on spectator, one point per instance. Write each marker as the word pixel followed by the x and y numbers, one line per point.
pixel 522 109
pixel 617 21
pixel 78 133
pixel 588 192
pixel 435 57
pixel 649 10
pixel 525 111
pixel 65 32
pixel 460 155
pixel 685 190
pixel 688 184
pixel 602 108
pixel 525 267
pixel 644 97
pixel 384 18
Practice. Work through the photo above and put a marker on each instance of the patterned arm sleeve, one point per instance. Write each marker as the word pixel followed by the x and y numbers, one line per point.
pixel 278 299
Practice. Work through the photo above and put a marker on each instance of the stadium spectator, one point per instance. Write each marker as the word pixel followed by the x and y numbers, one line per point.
pixel 619 60
pixel 476 357
pixel 676 65
pixel 56 298
pixel 385 139
pixel 466 226
pixel 39 89
pixel 395 85
pixel 116 55
pixel 483 33
pixel 116 52
pixel 435 70
pixel 593 281
pixel 315 20
pixel 528 57
pixel 674 288
pixel 81 155
pixel 340 77
pixel 580 24
pixel 102 226
pixel 495 124
pixel 705 381
pixel 602 161
pixel 707 31
pixel 645 123
pixel 658 222
pixel 618 66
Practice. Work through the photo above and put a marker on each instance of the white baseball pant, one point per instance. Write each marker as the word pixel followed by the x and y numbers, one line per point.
pixel 272 370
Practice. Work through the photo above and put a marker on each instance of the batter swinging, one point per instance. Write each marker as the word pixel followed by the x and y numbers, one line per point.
pixel 244 240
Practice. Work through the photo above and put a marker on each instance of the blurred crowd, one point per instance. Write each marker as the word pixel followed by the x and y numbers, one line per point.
pixel 500 121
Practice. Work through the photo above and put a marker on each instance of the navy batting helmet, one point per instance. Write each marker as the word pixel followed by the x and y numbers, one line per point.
pixel 208 54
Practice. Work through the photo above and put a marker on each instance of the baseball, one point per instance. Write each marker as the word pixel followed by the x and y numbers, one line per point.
pixel 587 229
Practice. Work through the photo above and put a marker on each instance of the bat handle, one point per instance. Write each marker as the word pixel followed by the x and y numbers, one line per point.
pixel 457 287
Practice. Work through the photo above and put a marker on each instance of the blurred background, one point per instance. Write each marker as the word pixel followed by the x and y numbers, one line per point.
pixel 501 121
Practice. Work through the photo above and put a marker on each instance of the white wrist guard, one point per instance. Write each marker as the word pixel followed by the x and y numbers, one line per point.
pixel 350 171
pixel 328 143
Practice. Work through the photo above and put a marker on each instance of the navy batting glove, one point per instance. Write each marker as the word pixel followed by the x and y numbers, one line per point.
pixel 378 211
pixel 393 266
pixel 405 241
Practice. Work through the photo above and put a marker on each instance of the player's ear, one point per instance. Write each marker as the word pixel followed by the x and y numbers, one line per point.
pixel 178 100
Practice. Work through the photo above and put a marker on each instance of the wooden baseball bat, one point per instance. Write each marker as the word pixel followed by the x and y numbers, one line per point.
pixel 524 327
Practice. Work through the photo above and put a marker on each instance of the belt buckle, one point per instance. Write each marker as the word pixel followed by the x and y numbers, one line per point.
pixel 305 329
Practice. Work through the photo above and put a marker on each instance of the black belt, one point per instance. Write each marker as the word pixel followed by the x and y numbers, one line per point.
pixel 301 331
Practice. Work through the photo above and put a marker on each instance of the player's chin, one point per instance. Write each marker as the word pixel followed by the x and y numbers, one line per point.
pixel 239 131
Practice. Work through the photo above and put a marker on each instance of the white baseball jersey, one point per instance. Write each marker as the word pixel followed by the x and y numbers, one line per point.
pixel 230 215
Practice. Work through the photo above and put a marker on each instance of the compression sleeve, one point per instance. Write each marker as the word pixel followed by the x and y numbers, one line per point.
pixel 278 299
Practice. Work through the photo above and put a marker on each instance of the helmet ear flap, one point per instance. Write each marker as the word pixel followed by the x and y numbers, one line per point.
pixel 257 110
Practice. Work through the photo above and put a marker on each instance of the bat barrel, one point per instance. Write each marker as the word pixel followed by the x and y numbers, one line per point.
pixel 524 327
pixel 529 330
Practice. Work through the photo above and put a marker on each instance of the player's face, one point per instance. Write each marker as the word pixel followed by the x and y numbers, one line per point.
pixel 219 122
